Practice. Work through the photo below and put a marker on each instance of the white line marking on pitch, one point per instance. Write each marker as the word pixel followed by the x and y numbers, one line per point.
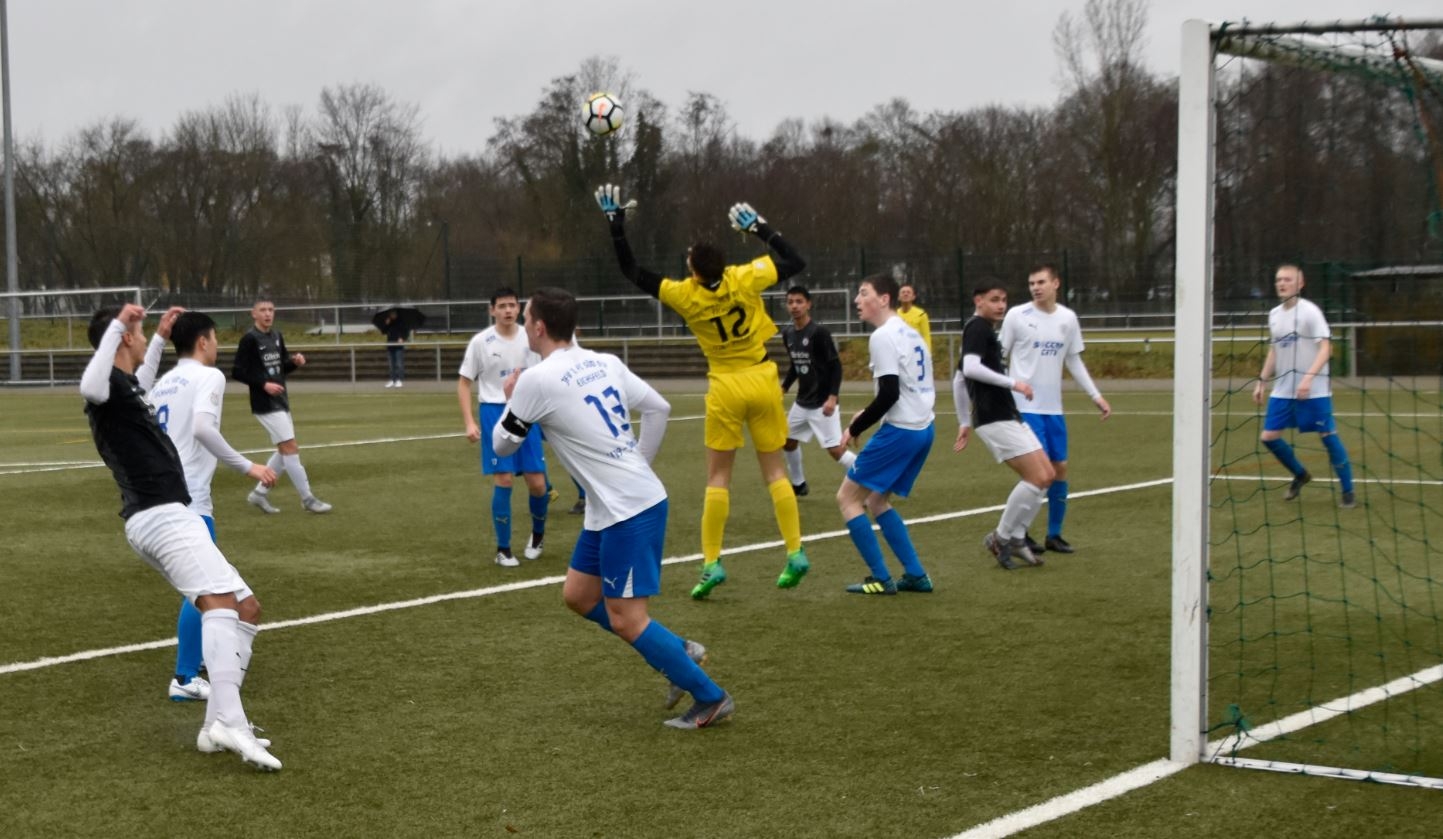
pixel 52 661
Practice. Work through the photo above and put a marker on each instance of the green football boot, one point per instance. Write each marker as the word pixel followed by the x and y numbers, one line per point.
pixel 712 575
pixel 797 568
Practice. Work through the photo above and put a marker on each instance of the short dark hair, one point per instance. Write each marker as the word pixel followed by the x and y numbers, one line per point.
pixel 708 261
pixel 99 322
pixel 263 298
pixel 1045 266
pixel 555 307
pixel 188 329
pixel 883 284
pixel 504 291
pixel 988 284
pixel 799 290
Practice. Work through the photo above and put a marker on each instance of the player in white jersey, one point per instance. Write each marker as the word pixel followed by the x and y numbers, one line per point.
pixel 890 462
pixel 188 401
pixel 584 401
pixel 1302 397
pixel 1039 338
pixel 493 355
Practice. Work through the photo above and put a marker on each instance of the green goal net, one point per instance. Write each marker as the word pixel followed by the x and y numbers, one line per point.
pixel 1308 626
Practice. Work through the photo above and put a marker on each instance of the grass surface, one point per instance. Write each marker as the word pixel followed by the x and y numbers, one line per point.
pixel 505 715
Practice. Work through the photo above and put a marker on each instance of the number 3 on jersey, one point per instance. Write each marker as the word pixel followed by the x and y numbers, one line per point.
pixel 615 408
pixel 921 363
pixel 162 417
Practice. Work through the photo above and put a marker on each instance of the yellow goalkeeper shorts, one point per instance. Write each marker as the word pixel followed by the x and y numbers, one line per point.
pixel 750 398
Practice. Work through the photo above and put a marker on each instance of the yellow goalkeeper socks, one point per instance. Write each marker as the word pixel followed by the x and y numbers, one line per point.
pixel 714 512
pixel 789 518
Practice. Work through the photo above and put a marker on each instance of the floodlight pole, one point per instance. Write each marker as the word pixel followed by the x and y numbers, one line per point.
pixel 1192 393
pixel 12 271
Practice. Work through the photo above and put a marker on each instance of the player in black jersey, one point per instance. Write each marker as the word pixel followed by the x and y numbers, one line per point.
pixel 817 367
pixel 262 362
pixel 169 537
pixel 982 394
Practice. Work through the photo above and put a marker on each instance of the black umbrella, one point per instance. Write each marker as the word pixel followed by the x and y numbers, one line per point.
pixel 407 318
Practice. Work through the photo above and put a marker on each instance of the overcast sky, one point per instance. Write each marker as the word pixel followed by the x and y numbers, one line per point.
pixel 466 62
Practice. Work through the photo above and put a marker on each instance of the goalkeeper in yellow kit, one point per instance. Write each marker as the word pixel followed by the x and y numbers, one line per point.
pixel 722 304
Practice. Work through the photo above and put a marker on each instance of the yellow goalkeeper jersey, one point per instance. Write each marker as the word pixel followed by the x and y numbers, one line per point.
pixel 730 322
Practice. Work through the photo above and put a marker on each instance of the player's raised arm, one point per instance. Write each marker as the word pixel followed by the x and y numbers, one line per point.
pixel 608 197
pixel 95 381
pixel 149 369
pixel 789 263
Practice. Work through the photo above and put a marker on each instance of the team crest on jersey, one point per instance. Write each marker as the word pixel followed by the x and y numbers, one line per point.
pixel 806 342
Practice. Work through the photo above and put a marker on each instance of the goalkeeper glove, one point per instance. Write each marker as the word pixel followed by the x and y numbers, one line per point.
pixel 743 217
pixel 608 198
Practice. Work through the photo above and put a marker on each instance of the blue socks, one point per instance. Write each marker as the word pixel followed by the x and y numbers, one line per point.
pixel 868 546
pixel 598 615
pixel 539 505
pixel 1056 508
pixel 580 490
pixel 667 655
pixel 187 641
pixel 895 531
pixel 1339 457
pixel 1284 453
pixel 501 515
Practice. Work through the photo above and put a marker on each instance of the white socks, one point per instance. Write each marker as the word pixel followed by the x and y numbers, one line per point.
pixel 1021 509
pixel 298 474
pixel 847 459
pixel 220 642
pixel 794 466
pixel 274 464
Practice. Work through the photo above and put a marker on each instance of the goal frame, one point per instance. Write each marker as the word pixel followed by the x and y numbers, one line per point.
pixel 1201 44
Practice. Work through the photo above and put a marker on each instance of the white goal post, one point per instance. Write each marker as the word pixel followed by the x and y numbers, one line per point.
pixel 1201 45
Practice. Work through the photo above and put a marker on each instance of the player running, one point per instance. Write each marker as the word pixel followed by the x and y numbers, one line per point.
pixel 817 367
pixel 1039 338
pixel 722 305
pixel 170 538
pixel 584 401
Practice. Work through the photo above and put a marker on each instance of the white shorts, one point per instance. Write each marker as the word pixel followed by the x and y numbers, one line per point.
pixel 174 541
pixel 278 424
pixel 1008 439
pixel 804 423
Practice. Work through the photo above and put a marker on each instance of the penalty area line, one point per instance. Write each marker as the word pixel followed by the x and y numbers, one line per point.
pixel 519 585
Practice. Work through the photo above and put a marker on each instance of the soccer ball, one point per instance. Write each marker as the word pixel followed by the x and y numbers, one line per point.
pixel 601 114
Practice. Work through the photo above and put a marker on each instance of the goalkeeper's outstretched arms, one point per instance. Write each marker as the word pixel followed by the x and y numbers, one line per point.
pixel 789 263
pixel 608 198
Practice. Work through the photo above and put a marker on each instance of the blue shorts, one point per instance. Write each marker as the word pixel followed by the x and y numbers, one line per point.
pixel 892 459
pixel 1306 415
pixel 627 555
pixel 1051 431
pixel 528 458
pixel 210 525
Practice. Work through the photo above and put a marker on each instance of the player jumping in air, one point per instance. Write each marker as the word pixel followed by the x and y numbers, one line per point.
pixel 722 305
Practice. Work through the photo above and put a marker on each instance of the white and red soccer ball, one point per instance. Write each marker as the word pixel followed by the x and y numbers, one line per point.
pixel 602 114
